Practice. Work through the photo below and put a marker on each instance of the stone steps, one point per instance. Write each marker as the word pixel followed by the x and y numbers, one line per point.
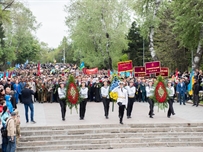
pixel 110 136
pixel 109 130
pixel 107 135
pixel 107 146
pixel 109 141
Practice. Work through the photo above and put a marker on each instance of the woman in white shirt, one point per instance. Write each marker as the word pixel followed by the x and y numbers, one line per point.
pixel 83 103
pixel 171 93
pixel 62 99
pixel 122 100
pixel 131 97
pixel 150 92
pixel 105 98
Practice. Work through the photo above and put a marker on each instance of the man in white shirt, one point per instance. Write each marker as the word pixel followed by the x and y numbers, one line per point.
pixel 105 98
pixel 131 97
pixel 122 100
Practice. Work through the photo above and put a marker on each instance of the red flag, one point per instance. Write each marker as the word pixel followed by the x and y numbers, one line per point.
pixel 38 69
pixel 109 73
pixel 10 74
pixel 4 74
pixel 176 72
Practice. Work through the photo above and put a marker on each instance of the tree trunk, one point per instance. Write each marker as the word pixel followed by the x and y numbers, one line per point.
pixel 151 32
pixel 199 53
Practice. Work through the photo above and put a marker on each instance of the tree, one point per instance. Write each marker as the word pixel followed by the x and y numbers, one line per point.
pixel 147 10
pixel 98 30
pixel 137 46
pixel 167 46
pixel 188 26
pixel 20 43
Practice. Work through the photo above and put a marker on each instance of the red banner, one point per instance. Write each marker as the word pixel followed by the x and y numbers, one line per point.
pixel 125 66
pixel 164 72
pixel 140 72
pixel 91 71
pixel 152 67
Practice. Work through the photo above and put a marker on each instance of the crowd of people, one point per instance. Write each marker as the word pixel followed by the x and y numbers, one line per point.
pixel 48 84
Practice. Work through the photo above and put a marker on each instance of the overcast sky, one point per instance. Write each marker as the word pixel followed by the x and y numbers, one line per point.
pixel 50 13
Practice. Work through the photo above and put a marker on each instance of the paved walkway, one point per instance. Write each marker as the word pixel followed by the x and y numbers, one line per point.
pixel 48 114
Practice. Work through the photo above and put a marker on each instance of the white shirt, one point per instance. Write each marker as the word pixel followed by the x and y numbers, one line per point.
pixel 131 91
pixel 122 95
pixel 171 91
pixel 105 91
pixel 84 92
pixel 32 85
pixel 62 93
pixel 149 91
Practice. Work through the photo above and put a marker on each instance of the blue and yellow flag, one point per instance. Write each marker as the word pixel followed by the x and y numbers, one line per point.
pixel 192 81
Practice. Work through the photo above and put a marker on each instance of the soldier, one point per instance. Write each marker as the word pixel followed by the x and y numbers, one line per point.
pixel 40 90
pixel 50 87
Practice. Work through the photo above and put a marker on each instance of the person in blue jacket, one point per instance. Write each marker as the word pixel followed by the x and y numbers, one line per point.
pixel 181 90
pixel 4 116
pixel 17 90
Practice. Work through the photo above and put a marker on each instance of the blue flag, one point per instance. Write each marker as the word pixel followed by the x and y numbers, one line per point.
pixel 82 65
pixel 191 83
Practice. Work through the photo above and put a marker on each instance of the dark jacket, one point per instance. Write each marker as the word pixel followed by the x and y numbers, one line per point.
pixel 26 96
pixel 196 88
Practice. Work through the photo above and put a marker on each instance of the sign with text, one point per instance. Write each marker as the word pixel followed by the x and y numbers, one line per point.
pixel 125 66
pixel 164 72
pixel 140 72
pixel 152 67
pixel 91 71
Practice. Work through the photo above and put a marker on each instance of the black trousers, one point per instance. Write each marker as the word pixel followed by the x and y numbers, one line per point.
pixel 196 99
pixel 83 104
pixel 170 109
pixel 106 106
pixel 151 106
pixel 121 112
pixel 62 103
pixel 130 106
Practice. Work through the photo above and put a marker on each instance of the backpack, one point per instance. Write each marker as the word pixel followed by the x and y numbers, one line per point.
pixel 4 131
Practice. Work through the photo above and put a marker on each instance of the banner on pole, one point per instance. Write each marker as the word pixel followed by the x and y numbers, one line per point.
pixel 164 72
pixel 140 71
pixel 152 67
pixel 125 66
pixel 91 71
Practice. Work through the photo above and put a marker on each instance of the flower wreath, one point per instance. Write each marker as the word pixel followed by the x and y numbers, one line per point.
pixel 72 95
pixel 160 93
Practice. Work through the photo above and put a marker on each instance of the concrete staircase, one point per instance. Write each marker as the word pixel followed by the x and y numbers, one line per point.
pixel 110 136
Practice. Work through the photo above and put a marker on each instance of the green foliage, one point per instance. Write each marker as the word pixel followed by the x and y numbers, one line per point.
pixel 97 30
pixel 136 44
pixel 188 17
pixel 19 43
pixel 124 57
